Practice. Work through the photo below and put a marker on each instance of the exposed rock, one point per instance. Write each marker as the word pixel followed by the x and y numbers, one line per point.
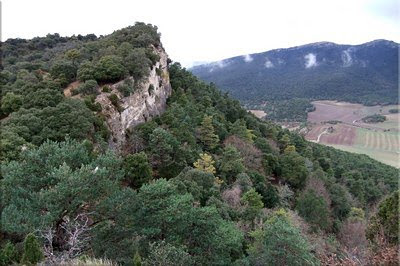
pixel 141 106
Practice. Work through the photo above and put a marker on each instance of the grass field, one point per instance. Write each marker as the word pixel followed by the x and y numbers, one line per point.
pixel 390 158
pixel 380 141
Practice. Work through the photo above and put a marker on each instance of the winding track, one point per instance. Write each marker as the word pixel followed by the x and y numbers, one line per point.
pixel 319 136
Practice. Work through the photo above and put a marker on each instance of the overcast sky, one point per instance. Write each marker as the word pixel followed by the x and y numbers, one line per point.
pixel 210 30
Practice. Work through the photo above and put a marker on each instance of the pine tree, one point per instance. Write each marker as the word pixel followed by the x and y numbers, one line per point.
pixel 314 209
pixel 207 136
pixel 162 146
pixel 279 242
pixel 137 260
pixel 205 163
pixel 137 169
pixel 284 141
pixel 231 163
pixel 8 255
pixel 239 129
pixel 32 251
pixel 290 148
pixel 73 55
pixel 254 204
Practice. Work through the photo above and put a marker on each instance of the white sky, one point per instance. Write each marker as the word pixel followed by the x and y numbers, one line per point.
pixel 210 30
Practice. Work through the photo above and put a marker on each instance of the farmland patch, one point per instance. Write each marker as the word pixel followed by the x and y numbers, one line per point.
pixel 377 140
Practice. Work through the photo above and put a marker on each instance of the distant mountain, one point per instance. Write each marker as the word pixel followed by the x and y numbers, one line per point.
pixel 366 73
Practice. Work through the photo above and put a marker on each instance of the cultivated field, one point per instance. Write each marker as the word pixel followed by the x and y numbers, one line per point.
pixel 346 131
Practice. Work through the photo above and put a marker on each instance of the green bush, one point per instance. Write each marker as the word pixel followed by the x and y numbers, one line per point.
pixel 137 260
pixel 154 58
pixel 8 254
pixel 376 118
pixel 293 169
pixel 280 243
pixel 70 117
pixel 63 71
pixel 86 71
pixel 314 209
pixel 101 127
pixel 269 193
pixel 340 204
pixel 11 102
pixel 386 220
pixel 115 101
pixel 125 89
pixel 253 202
pixel 109 68
pixel 137 169
pixel 162 253
pixel 32 251
pixel 89 87
pixel 231 164
pixel 138 64
pixel 91 104
pixel 42 98
pixel 106 89
pixel 158 71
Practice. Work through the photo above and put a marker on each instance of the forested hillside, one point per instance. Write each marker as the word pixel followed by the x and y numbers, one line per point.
pixel 203 183
pixel 366 73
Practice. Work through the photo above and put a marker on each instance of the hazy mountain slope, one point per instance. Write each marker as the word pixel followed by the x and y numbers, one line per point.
pixel 365 73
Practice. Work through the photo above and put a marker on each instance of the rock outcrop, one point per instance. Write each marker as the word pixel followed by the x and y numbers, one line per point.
pixel 147 101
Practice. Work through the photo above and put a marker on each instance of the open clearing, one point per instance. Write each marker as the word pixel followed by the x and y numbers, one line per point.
pixel 72 86
pixel 258 113
pixel 380 141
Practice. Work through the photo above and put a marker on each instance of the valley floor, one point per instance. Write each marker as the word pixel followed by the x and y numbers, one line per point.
pixel 339 124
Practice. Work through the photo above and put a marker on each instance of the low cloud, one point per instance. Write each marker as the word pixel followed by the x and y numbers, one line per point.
pixel 363 63
pixel 346 58
pixel 247 58
pixel 218 64
pixel 268 63
pixel 222 64
pixel 311 60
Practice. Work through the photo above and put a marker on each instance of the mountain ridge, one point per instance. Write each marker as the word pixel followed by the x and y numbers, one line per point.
pixel 202 63
pixel 364 73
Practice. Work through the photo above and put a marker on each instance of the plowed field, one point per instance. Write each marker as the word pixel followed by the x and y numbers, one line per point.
pixel 380 141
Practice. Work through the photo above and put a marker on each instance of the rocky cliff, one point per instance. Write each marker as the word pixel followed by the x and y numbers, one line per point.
pixel 147 101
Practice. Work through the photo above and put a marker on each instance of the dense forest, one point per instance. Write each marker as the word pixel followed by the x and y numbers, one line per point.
pixel 366 74
pixel 292 110
pixel 205 183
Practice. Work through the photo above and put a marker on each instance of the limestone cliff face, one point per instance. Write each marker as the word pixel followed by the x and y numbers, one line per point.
pixel 146 102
